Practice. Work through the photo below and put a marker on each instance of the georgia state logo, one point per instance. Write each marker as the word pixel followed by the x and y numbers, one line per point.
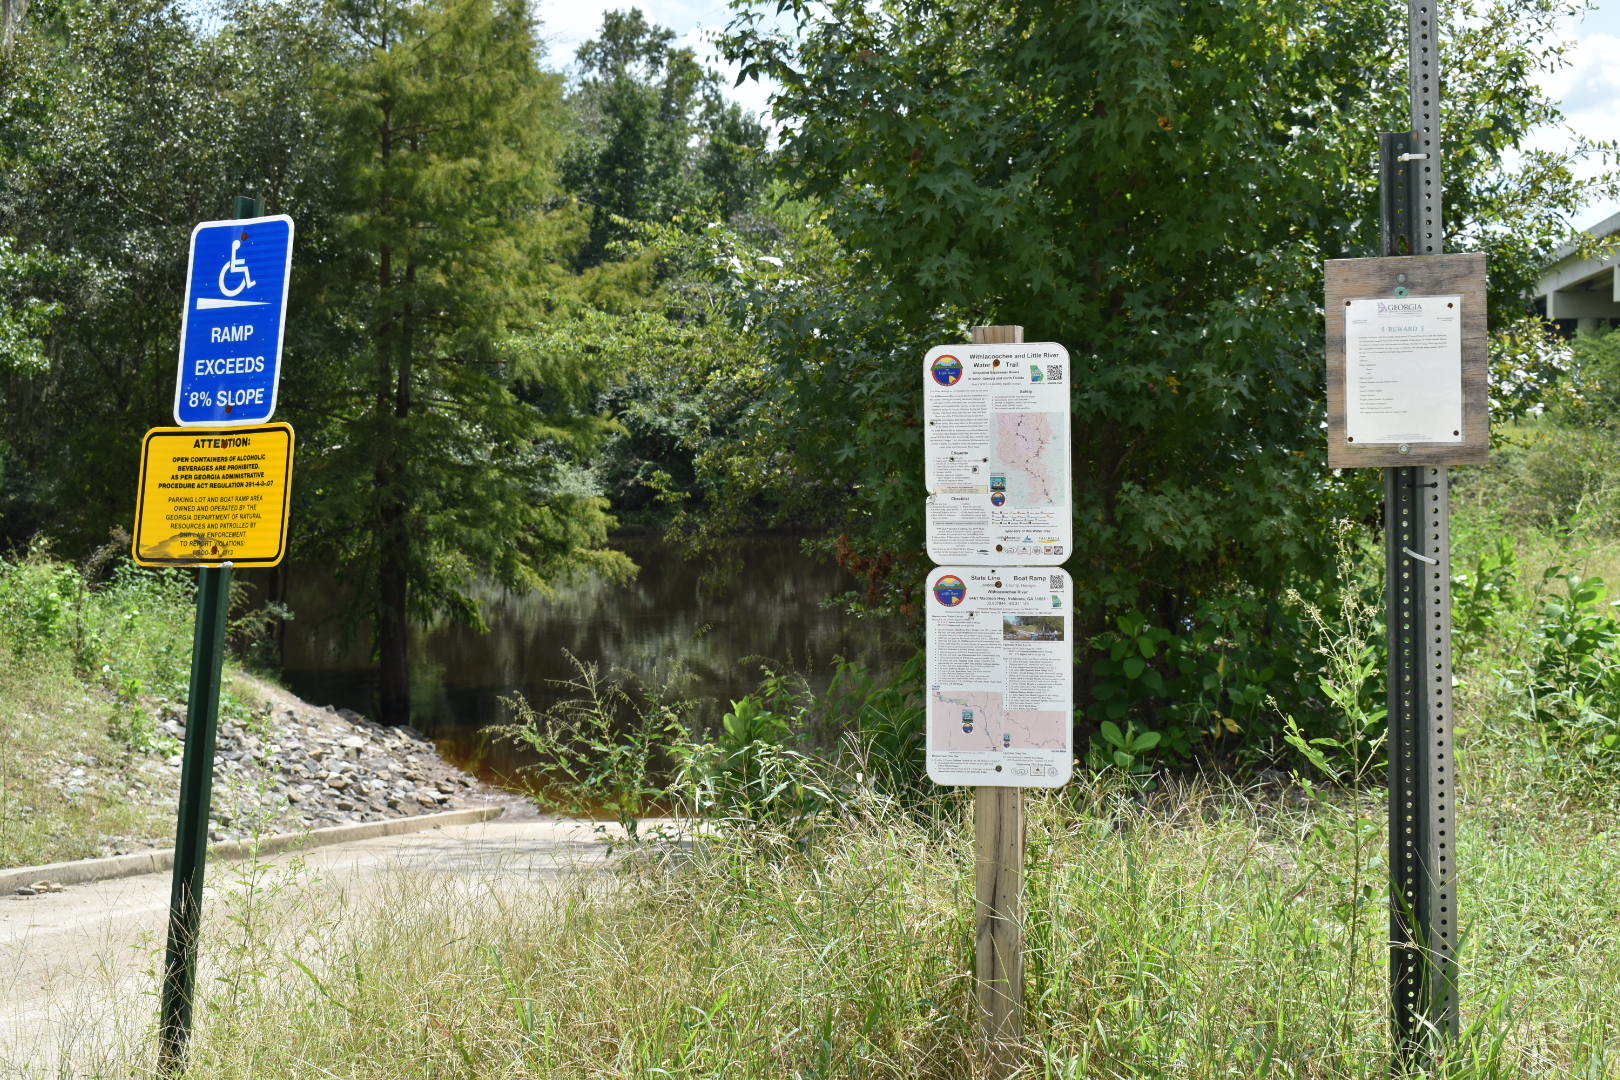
pixel 950 590
pixel 946 370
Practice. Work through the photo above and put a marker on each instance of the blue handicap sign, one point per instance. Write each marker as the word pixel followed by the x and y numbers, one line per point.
pixel 235 314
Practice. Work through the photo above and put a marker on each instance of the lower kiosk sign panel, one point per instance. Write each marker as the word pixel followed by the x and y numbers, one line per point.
pixel 1000 676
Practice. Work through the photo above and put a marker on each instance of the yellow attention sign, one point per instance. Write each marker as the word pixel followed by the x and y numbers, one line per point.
pixel 210 496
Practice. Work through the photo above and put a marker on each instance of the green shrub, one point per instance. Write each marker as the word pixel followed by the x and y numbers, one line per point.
pixel 748 775
pixel 1484 598
pixel 601 750
pixel 131 634
pixel 1590 396
pixel 1572 692
pixel 38 599
pixel 1203 687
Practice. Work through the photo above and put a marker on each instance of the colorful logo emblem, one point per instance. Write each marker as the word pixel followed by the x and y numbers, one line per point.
pixel 950 590
pixel 998 481
pixel 967 721
pixel 1036 374
pixel 946 370
pixel 997 498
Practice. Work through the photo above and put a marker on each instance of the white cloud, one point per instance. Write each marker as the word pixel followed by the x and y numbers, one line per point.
pixel 1588 87
pixel 1591 87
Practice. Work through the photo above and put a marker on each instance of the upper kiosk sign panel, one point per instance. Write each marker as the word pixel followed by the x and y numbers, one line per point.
pixel 996 454
pixel 231 329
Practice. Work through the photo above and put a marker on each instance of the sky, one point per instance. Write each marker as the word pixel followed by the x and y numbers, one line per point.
pixel 568 24
pixel 1589 86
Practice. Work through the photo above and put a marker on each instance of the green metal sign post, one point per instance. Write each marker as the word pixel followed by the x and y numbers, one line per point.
pixel 196 792
pixel 191 833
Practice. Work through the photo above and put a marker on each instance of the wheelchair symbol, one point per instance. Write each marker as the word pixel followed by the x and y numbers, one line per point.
pixel 235 266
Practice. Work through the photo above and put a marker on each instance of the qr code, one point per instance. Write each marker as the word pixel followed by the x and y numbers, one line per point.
pixel 1059 582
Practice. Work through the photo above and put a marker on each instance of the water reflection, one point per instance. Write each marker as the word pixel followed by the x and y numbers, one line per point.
pixel 662 621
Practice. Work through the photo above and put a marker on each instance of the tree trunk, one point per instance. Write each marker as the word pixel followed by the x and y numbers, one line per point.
pixel 393 535
pixel 11 19
pixel 393 641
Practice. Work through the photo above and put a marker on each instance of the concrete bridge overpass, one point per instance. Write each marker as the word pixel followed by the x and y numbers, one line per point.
pixel 1580 293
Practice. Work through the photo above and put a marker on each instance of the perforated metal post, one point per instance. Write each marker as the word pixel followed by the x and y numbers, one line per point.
pixel 1417 516
pixel 1422 811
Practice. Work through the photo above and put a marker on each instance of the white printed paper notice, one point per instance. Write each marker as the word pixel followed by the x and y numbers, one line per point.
pixel 996 453
pixel 1000 676
pixel 1403 370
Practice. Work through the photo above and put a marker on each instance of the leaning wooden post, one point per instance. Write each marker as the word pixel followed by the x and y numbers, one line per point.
pixel 998 892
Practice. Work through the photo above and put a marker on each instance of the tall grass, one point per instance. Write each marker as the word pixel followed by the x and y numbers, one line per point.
pixel 1203 931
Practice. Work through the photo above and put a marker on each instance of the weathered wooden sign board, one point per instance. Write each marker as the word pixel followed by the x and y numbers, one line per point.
pixel 1407 369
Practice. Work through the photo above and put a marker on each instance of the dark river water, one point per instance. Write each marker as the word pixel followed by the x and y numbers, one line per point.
pixel 664 620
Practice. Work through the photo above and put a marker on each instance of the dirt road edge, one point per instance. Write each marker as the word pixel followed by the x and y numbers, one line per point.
pixel 152 862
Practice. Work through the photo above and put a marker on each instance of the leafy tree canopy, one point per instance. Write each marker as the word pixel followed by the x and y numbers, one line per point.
pixel 1155 185
pixel 656 140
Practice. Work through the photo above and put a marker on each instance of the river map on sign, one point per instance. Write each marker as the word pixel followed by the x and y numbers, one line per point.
pixel 974 720
pixel 1022 453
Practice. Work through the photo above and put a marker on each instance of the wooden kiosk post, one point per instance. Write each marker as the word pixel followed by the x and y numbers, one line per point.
pixel 1000 626
pixel 998 844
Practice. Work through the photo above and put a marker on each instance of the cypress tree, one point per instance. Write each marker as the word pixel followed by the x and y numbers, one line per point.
pixel 430 471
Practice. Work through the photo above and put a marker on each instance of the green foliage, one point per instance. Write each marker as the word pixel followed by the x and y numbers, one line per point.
pixel 130 635
pixel 601 750
pixel 1528 362
pixel 684 376
pixel 1572 690
pixel 749 776
pixel 1348 653
pixel 1205 690
pixel 1124 750
pixel 656 141
pixel 37 599
pixel 1547 475
pixel 887 748
pixel 132 630
pixel 1484 599
pixel 1155 186
pixel 132 724
pixel 1578 630
pixel 1590 397
pixel 444 434
pixel 25 319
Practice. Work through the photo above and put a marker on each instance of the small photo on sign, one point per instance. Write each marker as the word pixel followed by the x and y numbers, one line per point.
pixel 1032 628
